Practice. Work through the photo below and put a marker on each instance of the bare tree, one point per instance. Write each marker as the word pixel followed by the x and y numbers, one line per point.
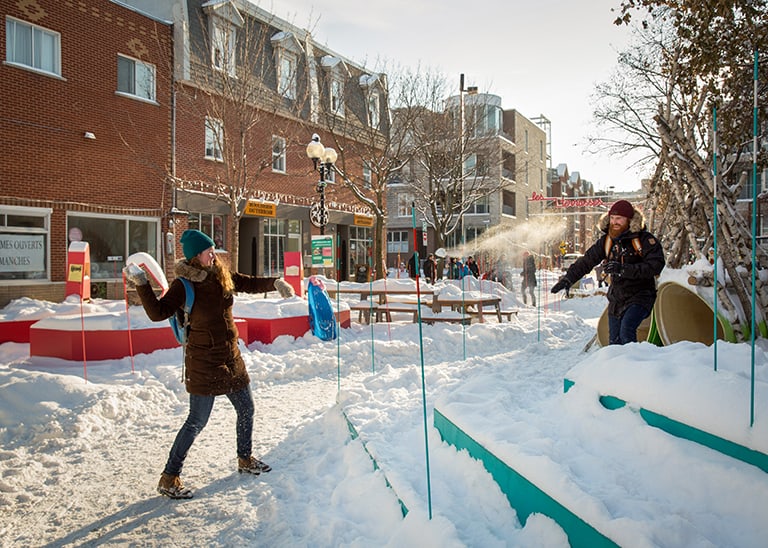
pixel 449 164
pixel 365 145
pixel 229 92
pixel 695 58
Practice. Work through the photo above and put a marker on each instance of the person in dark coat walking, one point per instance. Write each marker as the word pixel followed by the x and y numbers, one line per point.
pixel 412 266
pixel 430 268
pixel 528 273
pixel 633 258
pixel 213 363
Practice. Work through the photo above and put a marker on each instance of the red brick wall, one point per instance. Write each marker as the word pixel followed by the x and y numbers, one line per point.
pixel 46 160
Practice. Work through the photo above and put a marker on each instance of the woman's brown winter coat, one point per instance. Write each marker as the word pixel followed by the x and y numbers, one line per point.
pixel 213 364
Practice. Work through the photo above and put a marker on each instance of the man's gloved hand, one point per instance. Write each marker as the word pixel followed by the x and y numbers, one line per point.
pixel 135 274
pixel 614 268
pixel 284 288
pixel 563 283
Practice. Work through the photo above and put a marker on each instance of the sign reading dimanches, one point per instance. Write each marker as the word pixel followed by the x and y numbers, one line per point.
pixel 22 252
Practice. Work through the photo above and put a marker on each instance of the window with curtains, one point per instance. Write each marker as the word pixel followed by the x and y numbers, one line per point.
pixel 32 46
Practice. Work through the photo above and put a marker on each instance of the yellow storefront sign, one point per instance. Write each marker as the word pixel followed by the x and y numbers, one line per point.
pixel 261 209
pixel 363 220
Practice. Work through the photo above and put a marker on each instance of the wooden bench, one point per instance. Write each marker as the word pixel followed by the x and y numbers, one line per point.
pixel 508 313
pixel 405 308
pixel 364 309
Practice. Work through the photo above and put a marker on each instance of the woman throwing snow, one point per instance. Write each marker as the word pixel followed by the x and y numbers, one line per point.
pixel 213 364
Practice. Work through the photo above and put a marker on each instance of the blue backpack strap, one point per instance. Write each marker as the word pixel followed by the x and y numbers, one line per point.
pixel 189 290
pixel 180 319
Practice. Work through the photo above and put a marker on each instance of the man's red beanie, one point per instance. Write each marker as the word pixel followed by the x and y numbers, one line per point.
pixel 623 208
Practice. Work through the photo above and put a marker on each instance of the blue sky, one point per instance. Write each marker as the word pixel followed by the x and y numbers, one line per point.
pixel 540 57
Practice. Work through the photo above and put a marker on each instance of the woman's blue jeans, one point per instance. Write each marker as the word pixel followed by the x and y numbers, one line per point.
pixel 199 411
pixel 623 329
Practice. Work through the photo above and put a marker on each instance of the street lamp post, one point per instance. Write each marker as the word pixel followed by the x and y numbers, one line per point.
pixel 471 90
pixel 322 159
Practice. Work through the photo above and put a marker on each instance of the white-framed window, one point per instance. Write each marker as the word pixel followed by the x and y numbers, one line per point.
pixel 336 95
pixel 275 238
pixel 374 109
pixel 404 201
pixel 480 206
pixel 32 46
pixel 214 139
pixel 278 154
pixel 135 78
pixel 367 174
pixel 397 241
pixel 24 243
pixel 359 245
pixel 223 44
pixel 286 74
pixel 330 174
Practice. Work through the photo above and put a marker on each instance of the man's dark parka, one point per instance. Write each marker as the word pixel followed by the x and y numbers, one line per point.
pixel 641 255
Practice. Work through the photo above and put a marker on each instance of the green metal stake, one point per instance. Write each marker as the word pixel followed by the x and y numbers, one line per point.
pixel 421 355
pixel 754 247
pixel 370 305
pixel 714 243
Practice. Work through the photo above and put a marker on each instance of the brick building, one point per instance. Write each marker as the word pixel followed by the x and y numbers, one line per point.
pixel 85 110
pixel 115 133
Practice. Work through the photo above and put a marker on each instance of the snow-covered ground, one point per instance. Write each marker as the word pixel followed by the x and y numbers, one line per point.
pixel 79 461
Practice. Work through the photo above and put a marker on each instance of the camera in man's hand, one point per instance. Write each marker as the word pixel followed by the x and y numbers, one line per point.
pixel 614 269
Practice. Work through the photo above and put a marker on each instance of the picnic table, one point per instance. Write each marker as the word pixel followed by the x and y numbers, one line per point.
pixel 463 303
pixel 380 303
pixel 384 295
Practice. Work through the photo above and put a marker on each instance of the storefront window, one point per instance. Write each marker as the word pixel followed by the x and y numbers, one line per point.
pixel 24 242
pixel 359 243
pixel 274 246
pixel 212 225
pixel 111 240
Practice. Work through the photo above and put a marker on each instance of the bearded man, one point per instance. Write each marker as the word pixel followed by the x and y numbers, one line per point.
pixel 632 257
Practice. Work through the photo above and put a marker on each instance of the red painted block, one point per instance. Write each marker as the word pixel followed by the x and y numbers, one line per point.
pixel 15 331
pixel 103 344
pixel 266 330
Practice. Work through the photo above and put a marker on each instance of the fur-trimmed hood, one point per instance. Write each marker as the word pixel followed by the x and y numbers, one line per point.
pixel 182 269
pixel 636 223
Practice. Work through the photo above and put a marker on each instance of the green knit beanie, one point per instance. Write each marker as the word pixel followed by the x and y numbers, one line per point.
pixel 194 242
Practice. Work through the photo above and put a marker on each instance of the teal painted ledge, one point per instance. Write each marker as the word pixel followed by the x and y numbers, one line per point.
pixel 690 433
pixel 354 435
pixel 522 494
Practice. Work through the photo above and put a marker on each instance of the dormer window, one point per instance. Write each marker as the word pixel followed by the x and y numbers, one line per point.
pixel 338 73
pixel 287 51
pixel 223 44
pixel 336 96
pixel 371 86
pixel 224 21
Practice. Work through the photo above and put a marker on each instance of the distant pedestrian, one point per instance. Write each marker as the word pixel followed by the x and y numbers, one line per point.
pixel 473 268
pixel 528 286
pixel 430 268
pixel 412 267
